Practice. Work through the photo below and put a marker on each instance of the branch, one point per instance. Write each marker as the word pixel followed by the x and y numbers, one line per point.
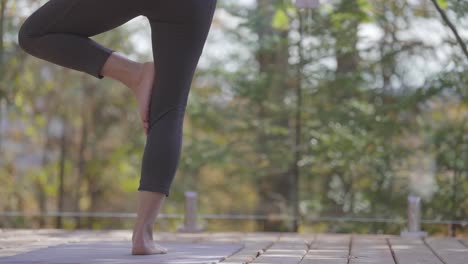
pixel 452 27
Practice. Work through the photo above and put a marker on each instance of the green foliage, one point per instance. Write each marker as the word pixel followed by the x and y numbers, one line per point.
pixel 367 126
pixel 442 3
pixel 280 20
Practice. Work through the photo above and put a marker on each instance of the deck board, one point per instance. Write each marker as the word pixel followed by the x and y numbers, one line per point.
pixel 328 249
pixel 248 253
pixel 370 249
pixel 449 250
pixel 464 241
pixel 114 246
pixel 119 252
pixel 413 251
pixel 283 252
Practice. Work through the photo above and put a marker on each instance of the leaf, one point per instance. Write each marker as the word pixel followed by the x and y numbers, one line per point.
pixel 280 20
pixel 442 3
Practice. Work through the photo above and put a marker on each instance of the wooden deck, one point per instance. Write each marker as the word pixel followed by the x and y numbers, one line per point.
pixel 51 246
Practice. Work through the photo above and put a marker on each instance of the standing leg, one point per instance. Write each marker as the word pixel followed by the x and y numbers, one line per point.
pixel 149 205
pixel 59 32
pixel 177 46
pixel 179 31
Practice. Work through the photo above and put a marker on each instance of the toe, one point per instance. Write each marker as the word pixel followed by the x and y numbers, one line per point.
pixel 161 249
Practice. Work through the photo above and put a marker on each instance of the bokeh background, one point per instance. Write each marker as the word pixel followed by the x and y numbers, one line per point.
pixel 328 117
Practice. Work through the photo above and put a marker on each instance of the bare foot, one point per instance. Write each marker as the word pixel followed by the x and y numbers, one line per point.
pixel 142 90
pixel 143 244
pixel 152 249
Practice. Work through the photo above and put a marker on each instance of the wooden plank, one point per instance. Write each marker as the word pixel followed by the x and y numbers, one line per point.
pixel 289 252
pixel 255 244
pixel 119 252
pixel 297 238
pixel 370 249
pixel 253 247
pixel 450 250
pixel 464 241
pixel 247 254
pixel 14 248
pixel 412 251
pixel 14 242
pixel 328 249
pixel 221 237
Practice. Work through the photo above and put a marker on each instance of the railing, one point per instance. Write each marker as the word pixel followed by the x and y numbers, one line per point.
pixel 191 215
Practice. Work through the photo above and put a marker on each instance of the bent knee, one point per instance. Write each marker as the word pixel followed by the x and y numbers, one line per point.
pixel 25 38
pixel 27 35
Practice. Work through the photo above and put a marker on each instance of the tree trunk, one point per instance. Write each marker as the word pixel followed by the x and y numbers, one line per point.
pixel 276 190
pixel 3 5
pixel 88 93
pixel 40 188
pixel 61 190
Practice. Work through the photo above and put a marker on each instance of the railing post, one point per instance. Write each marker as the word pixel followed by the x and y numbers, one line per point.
pixel 190 217
pixel 414 218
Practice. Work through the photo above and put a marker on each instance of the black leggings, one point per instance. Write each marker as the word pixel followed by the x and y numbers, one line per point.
pixel 59 32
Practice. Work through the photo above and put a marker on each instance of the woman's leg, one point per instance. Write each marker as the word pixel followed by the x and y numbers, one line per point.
pixel 179 30
pixel 149 205
pixel 59 32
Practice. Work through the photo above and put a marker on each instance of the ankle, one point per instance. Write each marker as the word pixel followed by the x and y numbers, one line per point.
pixel 143 230
pixel 122 69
